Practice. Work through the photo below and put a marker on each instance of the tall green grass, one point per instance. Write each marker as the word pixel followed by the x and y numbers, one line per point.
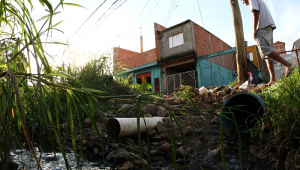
pixel 283 104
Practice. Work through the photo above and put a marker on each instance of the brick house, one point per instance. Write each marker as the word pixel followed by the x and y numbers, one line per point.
pixel 184 54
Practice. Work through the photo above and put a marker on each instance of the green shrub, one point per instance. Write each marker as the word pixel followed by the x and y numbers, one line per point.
pixel 185 92
pixel 283 104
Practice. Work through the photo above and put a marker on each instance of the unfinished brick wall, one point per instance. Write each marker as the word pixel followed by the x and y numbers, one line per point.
pixel 157 30
pixel 121 54
pixel 207 43
pixel 139 59
pixel 279 47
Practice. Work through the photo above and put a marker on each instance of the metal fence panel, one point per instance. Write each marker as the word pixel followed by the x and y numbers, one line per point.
pixel 218 70
pixel 186 78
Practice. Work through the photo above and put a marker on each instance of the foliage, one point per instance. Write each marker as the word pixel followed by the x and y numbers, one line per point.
pixel 283 104
pixel 185 92
pixel 24 96
pixel 234 83
pixel 143 87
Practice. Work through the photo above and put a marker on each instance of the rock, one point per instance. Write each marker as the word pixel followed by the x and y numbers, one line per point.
pixel 84 141
pixel 125 166
pixel 292 160
pixel 165 147
pixel 159 158
pixel 159 100
pixel 152 133
pixel 137 162
pixel 160 128
pixel 171 101
pixel 181 152
pixel 126 106
pixel 122 157
pixel 157 138
pixel 214 154
pixel 115 153
pixel 144 108
pixel 104 120
pixel 225 146
pixel 162 112
pixel 189 131
pixel 155 143
pixel 177 101
pixel 90 144
pixel 167 120
pixel 87 121
pixel 96 151
pixel 130 142
pixel 207 107
pixel 77 138
pixel 148 115
pixel 198 131
pixel 153 152
pixel 208 100
pixel 178 143
pixel 62 126
pixel 151 109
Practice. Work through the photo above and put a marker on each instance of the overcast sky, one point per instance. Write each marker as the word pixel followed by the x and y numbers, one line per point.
pixel 110 26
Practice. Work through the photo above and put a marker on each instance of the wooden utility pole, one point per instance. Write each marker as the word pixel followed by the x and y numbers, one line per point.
pixel 239 42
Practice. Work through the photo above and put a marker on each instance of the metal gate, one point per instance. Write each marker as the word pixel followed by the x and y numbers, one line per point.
pixel 185 78
pixel 218 70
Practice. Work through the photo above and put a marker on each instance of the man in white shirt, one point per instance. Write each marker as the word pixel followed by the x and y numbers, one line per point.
pixel 263 35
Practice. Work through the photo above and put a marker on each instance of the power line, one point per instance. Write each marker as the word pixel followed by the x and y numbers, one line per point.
pixel 172 11
pixel 114 11
pixel 106 11
pixel 103 20
pixel 171 7
pixel 150 12
pixel 137 18
pixel 88 18
pixel 200 13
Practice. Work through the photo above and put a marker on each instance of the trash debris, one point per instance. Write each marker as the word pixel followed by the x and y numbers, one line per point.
pixel 203 90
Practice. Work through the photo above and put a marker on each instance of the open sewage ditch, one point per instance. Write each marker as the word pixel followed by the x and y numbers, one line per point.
pixel 201 132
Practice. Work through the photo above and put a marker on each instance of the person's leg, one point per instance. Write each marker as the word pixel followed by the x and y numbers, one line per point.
pixel 281 60
pixel 270 64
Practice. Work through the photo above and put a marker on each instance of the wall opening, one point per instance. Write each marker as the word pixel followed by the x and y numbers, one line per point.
pixel 147 76
pixel 180 68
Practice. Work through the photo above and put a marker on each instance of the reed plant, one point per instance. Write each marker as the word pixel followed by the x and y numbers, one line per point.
pixel 283 113
pixel 28 99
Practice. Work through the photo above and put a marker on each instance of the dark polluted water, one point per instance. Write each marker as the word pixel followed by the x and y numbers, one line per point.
pixel 51 161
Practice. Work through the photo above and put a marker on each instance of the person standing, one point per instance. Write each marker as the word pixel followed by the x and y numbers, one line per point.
pixel 263 35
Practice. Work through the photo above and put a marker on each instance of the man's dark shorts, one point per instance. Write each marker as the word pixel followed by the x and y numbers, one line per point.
pixel 264 40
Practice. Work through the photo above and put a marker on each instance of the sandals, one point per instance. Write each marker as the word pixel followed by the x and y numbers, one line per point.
pixel 288 72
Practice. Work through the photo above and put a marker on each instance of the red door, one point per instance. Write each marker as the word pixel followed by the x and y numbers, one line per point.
pixel 156 85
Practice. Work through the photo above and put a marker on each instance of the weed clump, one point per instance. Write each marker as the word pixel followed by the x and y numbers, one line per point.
pixel 283 104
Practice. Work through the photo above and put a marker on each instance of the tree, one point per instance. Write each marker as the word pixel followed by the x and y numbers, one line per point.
pixel 239 42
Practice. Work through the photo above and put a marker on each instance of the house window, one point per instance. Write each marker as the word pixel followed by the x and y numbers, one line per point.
pixel 250 56
pixel 176 40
